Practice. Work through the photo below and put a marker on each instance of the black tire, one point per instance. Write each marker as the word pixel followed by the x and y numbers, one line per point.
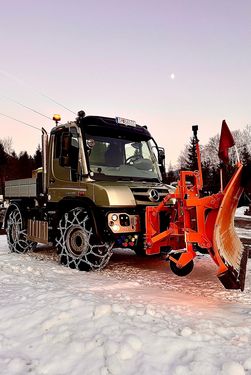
pixel 16 231
pixel 184 271
pixel 78 245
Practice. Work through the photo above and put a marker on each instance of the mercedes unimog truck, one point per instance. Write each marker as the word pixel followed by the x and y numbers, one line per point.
pixel 97 177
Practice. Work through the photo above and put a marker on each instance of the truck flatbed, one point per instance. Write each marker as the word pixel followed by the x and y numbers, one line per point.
pixel 25 187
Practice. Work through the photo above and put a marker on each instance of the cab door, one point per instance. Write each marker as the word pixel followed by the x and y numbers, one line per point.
pixel 65 169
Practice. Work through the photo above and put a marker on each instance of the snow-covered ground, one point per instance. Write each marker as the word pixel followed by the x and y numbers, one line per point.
pixel 134 317
pixel 240 213
pixel 245 222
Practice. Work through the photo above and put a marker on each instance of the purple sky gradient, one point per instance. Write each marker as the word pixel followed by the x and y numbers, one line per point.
pixel 116 58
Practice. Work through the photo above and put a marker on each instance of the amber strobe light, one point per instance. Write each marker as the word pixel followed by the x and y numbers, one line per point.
pixel 56 118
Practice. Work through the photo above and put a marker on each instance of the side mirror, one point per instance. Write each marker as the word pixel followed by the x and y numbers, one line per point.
pixel 162 155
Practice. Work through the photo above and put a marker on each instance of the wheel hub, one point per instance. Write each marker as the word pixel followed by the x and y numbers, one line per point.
pixel 15 230
pixel 77 241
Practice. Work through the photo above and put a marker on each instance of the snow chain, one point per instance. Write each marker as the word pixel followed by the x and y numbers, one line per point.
pixel 96 256
pixel 16 235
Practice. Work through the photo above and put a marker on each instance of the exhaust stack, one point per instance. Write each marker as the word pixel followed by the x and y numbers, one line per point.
pixel 44 159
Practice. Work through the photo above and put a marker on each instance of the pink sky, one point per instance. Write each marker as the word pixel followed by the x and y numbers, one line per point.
pixel 165 64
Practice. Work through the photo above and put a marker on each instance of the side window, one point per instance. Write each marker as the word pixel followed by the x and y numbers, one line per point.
pixel 66 155
pixel 57 144
pixel 74 154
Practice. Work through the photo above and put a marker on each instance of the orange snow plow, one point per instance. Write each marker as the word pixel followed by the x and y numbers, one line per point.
pixel 185 221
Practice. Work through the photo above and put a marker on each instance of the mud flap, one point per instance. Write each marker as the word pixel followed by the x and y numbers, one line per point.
pixel 228 249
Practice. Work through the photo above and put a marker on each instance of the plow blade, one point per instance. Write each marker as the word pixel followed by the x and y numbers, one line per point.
pixel 229 253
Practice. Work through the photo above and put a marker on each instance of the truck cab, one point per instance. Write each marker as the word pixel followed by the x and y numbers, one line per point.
pixel 111 162
pixel 98 176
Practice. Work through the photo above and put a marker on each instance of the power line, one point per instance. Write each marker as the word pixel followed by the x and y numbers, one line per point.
pixel 54 101
pixel 11 76
pixel 22 122
pixel 25 106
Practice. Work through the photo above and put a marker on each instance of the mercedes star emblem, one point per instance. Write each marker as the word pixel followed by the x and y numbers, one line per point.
pixel 153 195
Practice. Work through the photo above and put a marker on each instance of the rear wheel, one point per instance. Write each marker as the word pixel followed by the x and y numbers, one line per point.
pixel 16 231
pixel 184 271
pixel 77 243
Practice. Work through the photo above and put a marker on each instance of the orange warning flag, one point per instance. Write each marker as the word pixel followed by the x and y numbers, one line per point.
pixel 226 141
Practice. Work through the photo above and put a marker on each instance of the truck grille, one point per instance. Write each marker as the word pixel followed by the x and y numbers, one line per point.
pixel 148 195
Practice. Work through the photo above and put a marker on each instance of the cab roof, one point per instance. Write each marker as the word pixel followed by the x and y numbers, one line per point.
pixel 110 126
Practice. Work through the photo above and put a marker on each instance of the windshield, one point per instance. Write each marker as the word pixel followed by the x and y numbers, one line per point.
pixel 120 157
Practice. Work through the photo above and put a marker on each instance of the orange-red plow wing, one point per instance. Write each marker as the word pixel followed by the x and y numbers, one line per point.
pixel 228 249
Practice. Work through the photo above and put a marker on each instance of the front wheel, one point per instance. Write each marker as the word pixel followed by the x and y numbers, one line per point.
pixel 77 243
pixel 184 271
pixel 16 231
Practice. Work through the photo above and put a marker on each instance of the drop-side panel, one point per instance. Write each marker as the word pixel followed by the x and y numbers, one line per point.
pixel 25 187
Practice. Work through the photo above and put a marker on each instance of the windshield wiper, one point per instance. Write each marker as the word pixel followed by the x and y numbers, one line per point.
pixel 125 179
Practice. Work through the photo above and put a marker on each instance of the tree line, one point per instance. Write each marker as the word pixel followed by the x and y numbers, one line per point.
pixel 13 166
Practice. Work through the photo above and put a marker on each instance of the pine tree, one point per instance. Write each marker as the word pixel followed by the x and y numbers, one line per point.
pixel 245 156
pixel 211 178
pixel 25 163
pixel 12 168
pixel 37 158
pixel 191 162
pixel 246 177
pixel 3 163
